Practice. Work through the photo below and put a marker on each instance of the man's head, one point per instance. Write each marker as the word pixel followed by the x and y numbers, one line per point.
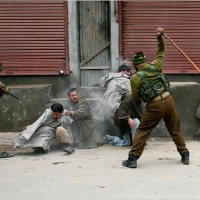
pixel 73 95
pixel 57 110
pixel 124 69
pixel 139 58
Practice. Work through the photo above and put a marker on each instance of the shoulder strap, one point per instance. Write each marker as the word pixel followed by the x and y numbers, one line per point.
pixel 143 74
pixel 152 68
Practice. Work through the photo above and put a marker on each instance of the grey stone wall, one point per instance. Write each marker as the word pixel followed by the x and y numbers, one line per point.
pixel 16 114
pixel 187 99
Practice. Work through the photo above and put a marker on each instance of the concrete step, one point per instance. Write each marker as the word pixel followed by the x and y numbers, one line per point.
pixel 34 99
pixel 91 101
pixel 186 96
pixel 92 92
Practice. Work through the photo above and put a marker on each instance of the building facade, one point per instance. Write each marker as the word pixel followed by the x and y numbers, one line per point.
pixel 74 43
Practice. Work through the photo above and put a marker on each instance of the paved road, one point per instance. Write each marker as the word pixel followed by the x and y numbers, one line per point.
pixel 98 174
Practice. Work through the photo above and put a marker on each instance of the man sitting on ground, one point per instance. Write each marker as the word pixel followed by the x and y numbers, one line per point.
pixel 48 127
pixel 82 127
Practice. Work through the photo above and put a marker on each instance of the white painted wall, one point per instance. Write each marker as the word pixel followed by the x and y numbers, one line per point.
pixel 73 44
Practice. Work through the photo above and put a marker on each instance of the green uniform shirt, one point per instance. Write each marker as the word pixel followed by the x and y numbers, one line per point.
pixel 136 80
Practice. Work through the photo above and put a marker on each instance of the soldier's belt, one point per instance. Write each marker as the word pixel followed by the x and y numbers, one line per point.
pixel 161 97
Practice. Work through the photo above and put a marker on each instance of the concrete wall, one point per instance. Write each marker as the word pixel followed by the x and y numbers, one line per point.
pixel 60 84
pixel 187 99
pixel 34 99
pixel 16 114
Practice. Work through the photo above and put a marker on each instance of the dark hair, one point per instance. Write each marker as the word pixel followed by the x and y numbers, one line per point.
pixel 124 68
pixel 71 90
pixel 57 107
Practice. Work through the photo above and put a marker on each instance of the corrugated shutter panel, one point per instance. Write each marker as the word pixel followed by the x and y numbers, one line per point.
pixel 32 37
pixel 181 21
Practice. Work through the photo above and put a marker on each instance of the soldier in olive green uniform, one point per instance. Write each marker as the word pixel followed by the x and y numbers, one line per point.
pixel 3 88
pixel 160 104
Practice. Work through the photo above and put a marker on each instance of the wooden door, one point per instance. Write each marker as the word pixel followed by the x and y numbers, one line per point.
pixel 94 41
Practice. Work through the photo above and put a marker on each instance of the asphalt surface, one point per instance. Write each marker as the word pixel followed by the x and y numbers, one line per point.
pixel 98 173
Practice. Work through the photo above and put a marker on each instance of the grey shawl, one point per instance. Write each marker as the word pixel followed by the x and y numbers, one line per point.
pixel 116 85
pixel 40 135
pixel 82 127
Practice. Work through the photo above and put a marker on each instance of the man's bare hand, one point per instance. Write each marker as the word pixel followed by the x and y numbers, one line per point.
pixel 160 31
pixel 131 122
pixel 68 113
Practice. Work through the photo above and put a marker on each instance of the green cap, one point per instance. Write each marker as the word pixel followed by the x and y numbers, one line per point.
pixel 139 58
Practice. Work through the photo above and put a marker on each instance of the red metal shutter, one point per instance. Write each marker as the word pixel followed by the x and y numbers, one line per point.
pixel 33 37
pixel 181 21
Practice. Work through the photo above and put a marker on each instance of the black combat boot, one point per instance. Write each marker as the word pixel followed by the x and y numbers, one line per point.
pixel 131 162
pixel 185 158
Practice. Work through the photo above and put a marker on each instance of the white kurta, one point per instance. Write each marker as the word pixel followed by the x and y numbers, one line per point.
pixel 116 85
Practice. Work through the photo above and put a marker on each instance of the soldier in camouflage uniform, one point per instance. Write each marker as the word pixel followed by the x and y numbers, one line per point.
pixel 161 106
